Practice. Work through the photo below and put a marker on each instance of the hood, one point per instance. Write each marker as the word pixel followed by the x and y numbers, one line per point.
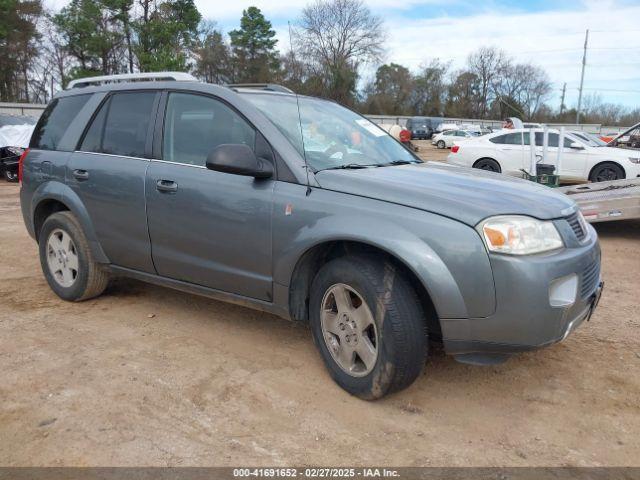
pixel 465 194
pixel 615 152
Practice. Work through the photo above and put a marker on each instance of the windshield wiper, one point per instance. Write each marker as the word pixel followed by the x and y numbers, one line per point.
pixel 398 162
pixel 350 166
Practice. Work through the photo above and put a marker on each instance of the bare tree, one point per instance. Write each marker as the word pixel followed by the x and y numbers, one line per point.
pixel 486 64
pixel 336 37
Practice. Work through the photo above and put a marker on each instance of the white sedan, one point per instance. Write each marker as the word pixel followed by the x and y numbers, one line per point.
pixel 446 138
pixel 508 151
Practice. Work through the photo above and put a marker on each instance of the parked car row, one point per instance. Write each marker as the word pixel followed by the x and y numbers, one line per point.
pixel 583 159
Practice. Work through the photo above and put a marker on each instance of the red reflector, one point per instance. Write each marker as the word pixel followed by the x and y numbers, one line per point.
pixel 21 164
pixel 405 135
pixel 455 149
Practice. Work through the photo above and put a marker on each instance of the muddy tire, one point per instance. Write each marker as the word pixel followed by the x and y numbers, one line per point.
pixel 606 172
pixel 67 262
pixel 488 164
pixel 368 325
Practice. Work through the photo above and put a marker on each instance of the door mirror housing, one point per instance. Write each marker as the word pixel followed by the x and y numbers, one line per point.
pixel 238 159
pixel 577 146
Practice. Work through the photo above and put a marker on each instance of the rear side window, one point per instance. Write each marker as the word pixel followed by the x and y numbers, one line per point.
pixel 194 125
pixel 121 125
pixel 511 139
pixel 55 120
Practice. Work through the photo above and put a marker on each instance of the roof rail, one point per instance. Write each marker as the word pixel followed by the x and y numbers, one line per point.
pixel 272 87
pixel 131 77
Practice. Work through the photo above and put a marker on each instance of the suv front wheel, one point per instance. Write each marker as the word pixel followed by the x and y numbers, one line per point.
pixel 368 325
pixel 66 260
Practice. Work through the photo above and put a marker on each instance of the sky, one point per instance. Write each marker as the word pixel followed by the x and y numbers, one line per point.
pixel 550 34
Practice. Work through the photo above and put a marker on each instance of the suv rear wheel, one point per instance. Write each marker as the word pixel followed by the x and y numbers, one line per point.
pixel 66 259
pixel 368 325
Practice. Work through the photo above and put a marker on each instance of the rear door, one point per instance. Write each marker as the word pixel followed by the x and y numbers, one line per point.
pixel 108 174
pixel 208 228
pixel 510 152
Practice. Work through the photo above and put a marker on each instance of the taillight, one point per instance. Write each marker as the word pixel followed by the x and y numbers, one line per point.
pixel 21 164
pixel 405 135
pixel 455 149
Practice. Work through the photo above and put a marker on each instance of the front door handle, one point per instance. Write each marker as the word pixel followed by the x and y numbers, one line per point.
pixel 166 186
pixel 80 174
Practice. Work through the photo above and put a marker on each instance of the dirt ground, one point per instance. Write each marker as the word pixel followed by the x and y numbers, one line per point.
pixel 149 376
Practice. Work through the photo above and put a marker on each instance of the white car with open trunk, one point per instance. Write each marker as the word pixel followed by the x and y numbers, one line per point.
pixel 509 152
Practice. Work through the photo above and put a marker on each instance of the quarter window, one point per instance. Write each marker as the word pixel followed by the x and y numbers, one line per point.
pixel 194 125
pixel 55 120
pixel 121 125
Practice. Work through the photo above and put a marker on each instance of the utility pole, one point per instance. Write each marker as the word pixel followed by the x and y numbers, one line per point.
pixel 584 63
pixel 564 90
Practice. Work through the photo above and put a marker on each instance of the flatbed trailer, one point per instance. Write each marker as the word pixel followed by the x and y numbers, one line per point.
pixel 606 201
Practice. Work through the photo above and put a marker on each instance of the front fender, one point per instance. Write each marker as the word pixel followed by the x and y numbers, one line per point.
pixel 54 190
pixel 412 236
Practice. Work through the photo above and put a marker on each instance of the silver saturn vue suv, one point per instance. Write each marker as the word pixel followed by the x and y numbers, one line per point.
pixel 302 208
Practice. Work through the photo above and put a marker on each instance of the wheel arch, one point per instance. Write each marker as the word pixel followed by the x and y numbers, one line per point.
pixel 604 162
pixel 50 199
pixel 486 158
pixel 316 256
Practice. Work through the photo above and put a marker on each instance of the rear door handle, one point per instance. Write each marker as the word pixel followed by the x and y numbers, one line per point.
pixel 166 186
pixel 81 174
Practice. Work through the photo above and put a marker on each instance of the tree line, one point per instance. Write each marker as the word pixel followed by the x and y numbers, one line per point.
pixel 333 44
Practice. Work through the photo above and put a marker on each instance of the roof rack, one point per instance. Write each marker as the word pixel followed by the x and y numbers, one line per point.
pixel 132 77
pixel 272 87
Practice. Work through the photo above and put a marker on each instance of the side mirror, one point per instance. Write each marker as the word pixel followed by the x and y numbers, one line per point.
pixel 577 146
pixel 238 159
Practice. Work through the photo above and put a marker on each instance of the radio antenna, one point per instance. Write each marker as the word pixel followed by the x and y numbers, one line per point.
pixel 304 151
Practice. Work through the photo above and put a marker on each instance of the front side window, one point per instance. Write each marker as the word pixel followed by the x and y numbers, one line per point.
pixel 55 120
pixel 553 140
pixel 121 125
pixel 194 125
pixel 329 135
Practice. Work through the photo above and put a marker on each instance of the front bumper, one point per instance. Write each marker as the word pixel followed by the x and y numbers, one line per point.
pixel 525 318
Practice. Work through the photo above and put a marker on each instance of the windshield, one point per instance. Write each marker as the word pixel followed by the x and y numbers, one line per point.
pixel 330 136
pixel 593 140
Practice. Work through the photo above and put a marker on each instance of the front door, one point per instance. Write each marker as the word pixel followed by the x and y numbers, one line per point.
pixel 206 227
pixel 574 161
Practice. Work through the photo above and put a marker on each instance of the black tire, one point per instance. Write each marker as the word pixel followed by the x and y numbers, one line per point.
pixel 440 144
pixel 605 172
pixel 91 278
pixel 10 176
pixel 488 164
pixel 398 316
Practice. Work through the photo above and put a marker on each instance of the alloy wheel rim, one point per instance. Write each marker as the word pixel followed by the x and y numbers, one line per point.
pixel 349 330
pixel 62 258
pixel 607 174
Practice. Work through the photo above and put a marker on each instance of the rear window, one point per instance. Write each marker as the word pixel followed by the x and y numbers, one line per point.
pixel 55 120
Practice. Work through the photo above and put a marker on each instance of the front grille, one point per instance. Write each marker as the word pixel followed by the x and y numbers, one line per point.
pixel 577 226
pixel 589 279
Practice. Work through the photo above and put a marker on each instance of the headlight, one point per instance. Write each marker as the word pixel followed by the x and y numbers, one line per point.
pixel 634 159
pixel 519 235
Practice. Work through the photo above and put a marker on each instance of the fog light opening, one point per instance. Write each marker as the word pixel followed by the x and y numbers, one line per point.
pixel 563 291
